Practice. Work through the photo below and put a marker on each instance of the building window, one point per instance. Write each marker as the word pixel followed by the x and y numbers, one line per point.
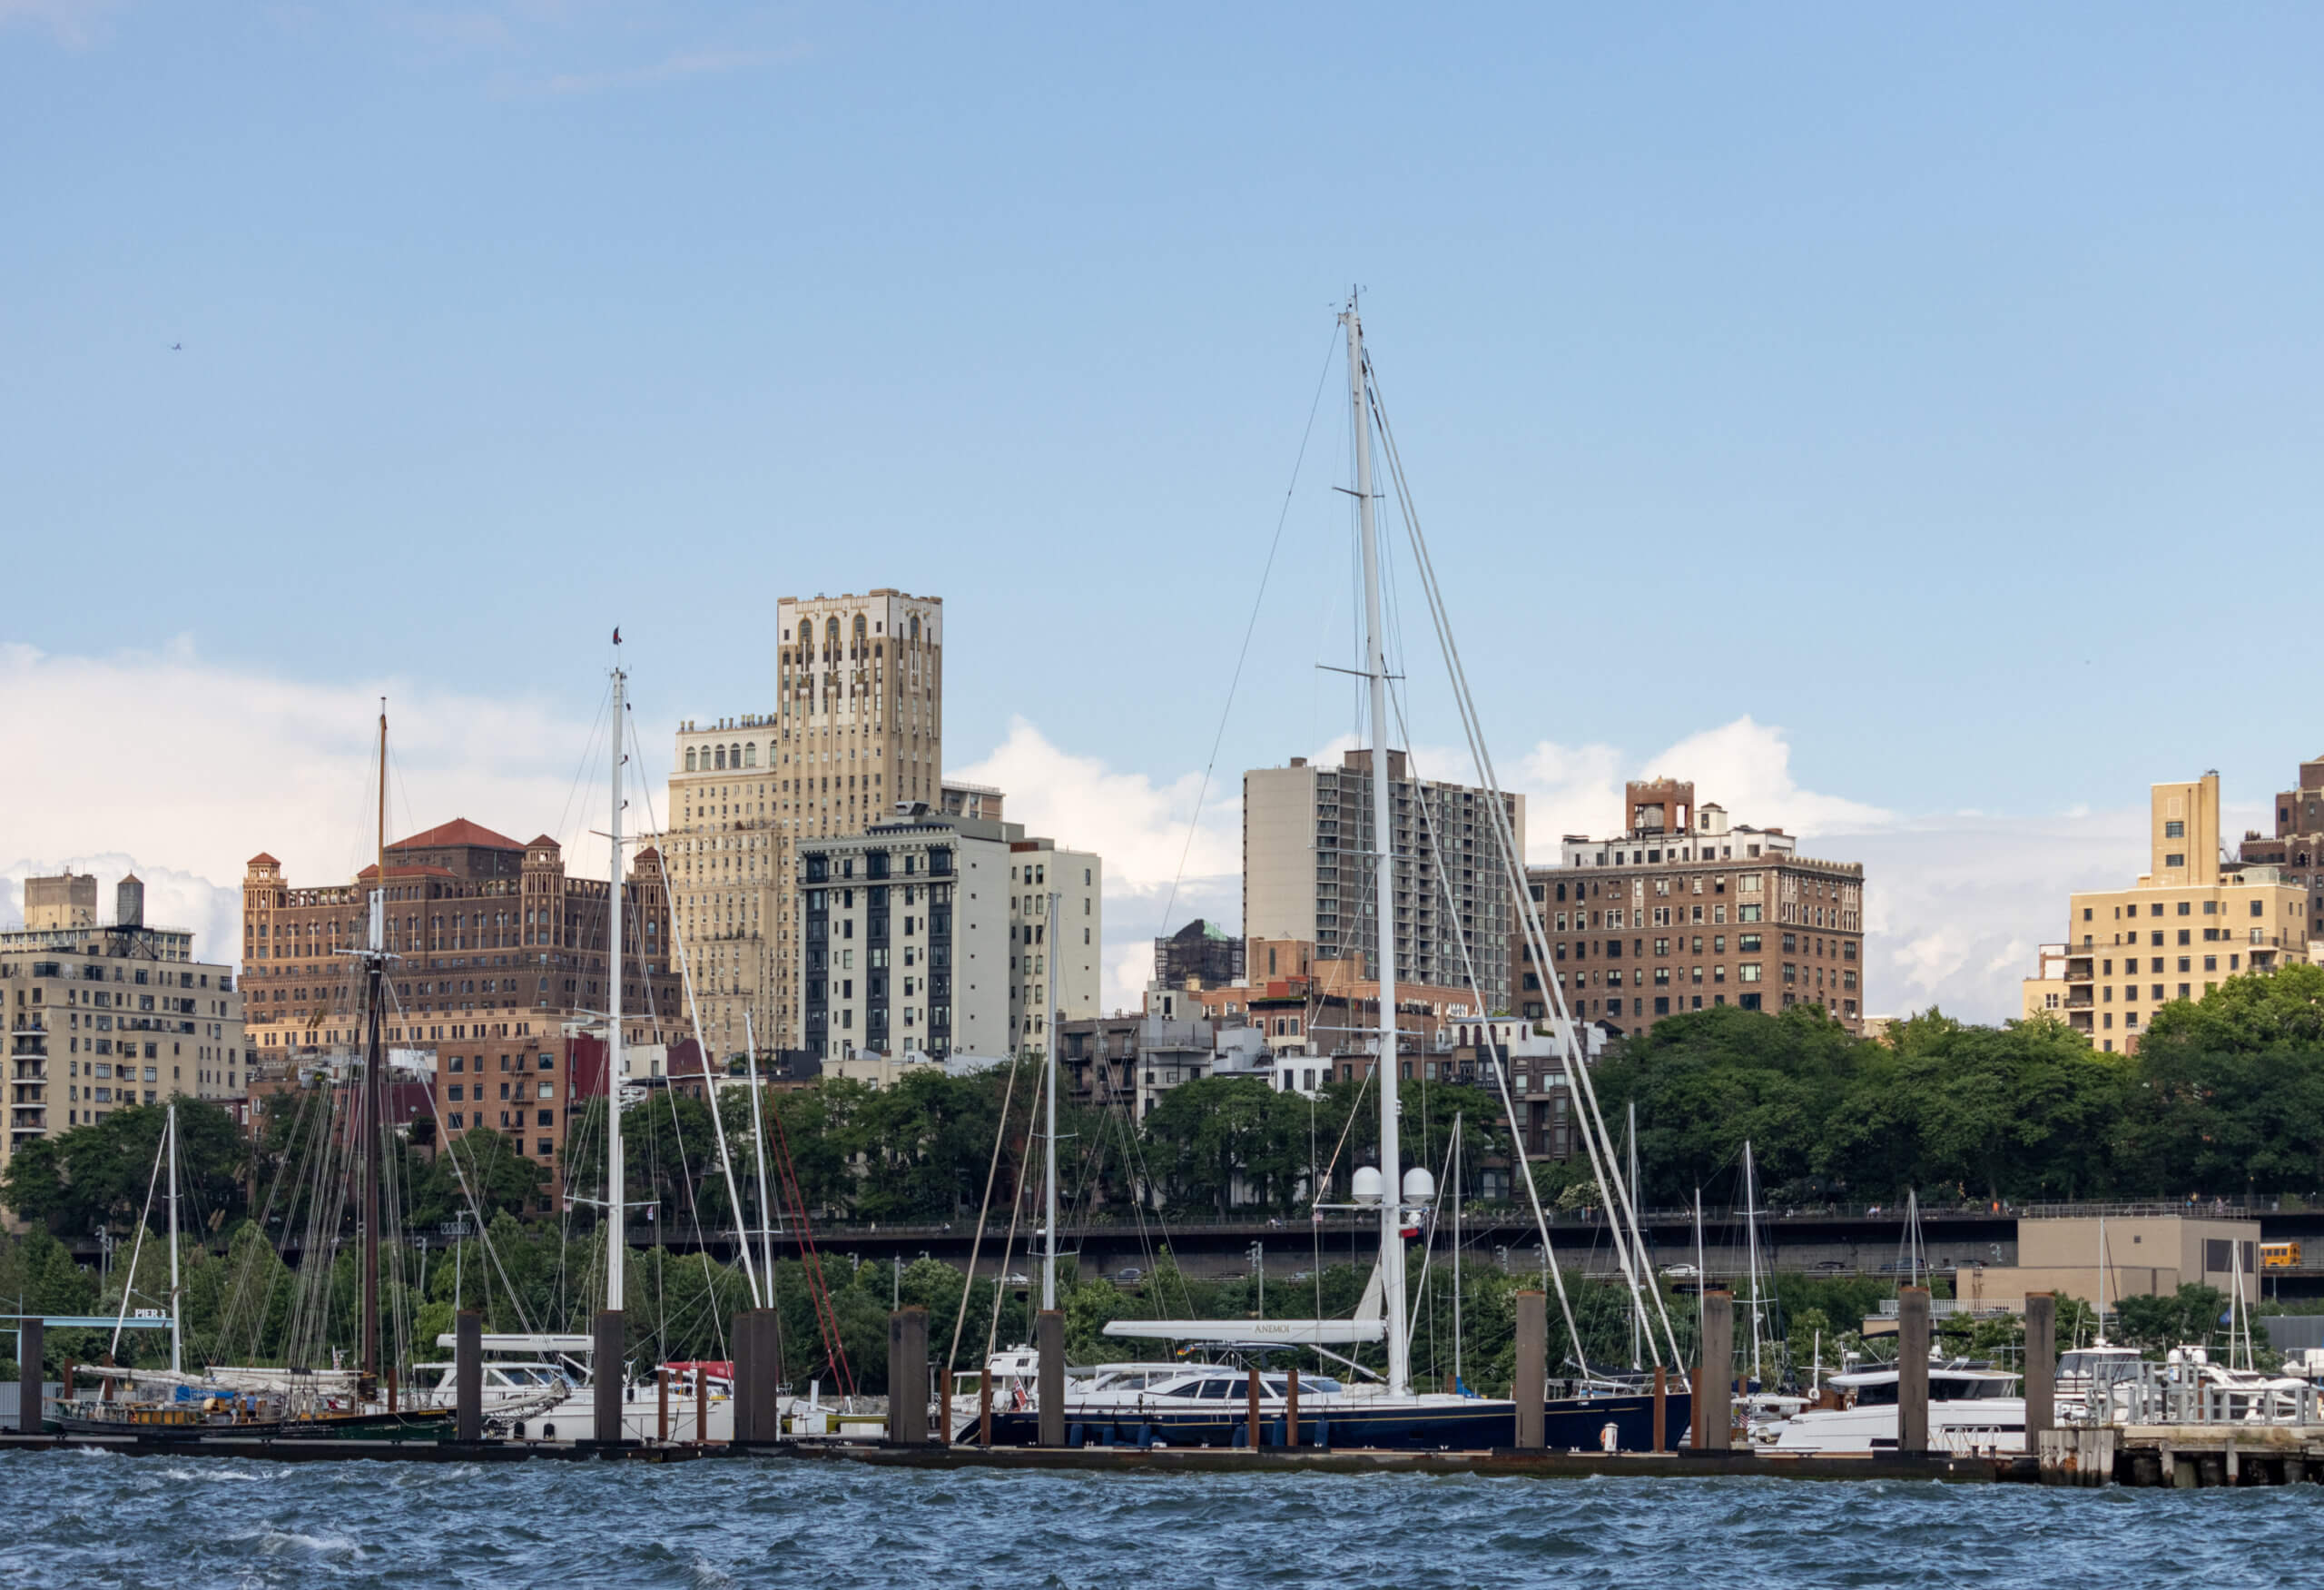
pixel 2174 830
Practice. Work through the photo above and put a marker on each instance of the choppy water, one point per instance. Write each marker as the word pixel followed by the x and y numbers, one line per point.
pixel 87 1519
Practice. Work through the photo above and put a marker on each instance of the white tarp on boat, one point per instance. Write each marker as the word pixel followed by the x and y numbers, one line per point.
pixel 1283 1332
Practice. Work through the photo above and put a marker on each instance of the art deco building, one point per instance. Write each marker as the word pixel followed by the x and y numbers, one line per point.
pixel 858 726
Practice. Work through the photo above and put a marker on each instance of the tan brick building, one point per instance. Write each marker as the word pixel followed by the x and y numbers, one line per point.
pixel 102 1016
pixel 1683 910
pixel 2188 924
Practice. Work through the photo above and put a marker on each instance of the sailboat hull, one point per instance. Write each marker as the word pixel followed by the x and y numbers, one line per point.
pixel 1471 1425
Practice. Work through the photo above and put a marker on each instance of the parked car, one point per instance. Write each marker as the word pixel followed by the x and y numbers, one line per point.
pixel 1682 1272
pixel 1828 1265
pixel 1016 1278
pixel 1129 1275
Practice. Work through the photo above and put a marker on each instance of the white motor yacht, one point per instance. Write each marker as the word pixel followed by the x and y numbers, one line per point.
pixel 1971 1410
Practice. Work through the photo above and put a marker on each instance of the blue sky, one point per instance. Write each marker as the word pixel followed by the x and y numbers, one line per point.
pixel 1892 382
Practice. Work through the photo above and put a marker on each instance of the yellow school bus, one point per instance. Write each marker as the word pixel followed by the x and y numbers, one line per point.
pixel 2279 1255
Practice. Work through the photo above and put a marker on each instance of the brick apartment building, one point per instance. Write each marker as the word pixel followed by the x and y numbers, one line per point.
pixel 1681 911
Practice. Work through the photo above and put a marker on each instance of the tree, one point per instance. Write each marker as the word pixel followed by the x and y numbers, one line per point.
pixel 99 1174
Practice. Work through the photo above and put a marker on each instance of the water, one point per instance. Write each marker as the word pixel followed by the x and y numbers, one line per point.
pixel 87 1519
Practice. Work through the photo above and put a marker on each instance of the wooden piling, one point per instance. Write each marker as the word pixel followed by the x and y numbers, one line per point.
pixel 1911 1369
pixel 700 1404
pixel 1290 1409
pixel 662 1404
pixel 1661 1408
pixel 1251 1439
pixel 1531 1389
pixel 984 1406
pixel 757 1336
pixel 607 1372
pixel 467 1376
pixel 29 1349
pixel 1715 1397
pixel 1048 1336
pixel 2041 1366
pixel 908 1376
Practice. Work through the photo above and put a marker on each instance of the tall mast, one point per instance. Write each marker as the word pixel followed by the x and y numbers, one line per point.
pixel 1751 1226
pixel 375 1089
pixel 1048 1075
pixel 616 1213
pixel 758 1150
pixel 2101 1281
pixel 177 1305
pixel 1383 836
pixel 1455 1190
pixel 1637 1313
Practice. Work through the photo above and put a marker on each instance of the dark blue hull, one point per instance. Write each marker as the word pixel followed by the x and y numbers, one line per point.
pixel 1477 1424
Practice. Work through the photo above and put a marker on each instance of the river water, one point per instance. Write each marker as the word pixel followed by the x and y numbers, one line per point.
pixel 84 1520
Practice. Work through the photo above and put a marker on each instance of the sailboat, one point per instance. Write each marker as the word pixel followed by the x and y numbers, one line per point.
pixel 1205 1404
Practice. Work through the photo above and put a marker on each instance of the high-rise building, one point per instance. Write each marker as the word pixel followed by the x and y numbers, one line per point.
pixel 858 727
pixel 1307 877
pixel 104 1016
pixel 2297 848
pixel 1681 911
pixel 2188 923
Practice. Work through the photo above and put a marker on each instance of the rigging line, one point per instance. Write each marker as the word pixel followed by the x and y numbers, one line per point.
pixel 702 1055
pixel 700 1044
pixel 976 1244
pixel 1250 628
pixel 1595 1134
pixel 580 769
pixel 1509 1104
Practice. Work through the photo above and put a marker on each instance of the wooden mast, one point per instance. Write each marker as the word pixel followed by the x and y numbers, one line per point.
pixel 374 1109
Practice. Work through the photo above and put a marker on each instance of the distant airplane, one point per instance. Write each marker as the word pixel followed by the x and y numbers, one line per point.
pixel 177 347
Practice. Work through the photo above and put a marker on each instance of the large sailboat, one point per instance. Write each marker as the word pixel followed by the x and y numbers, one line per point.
pixel 1211 1404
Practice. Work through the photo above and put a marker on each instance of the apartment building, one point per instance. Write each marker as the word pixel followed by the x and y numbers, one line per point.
pixel 2296 850
pixel 102 1016
pixel 929 933
pixel 1684 911
pixel 905 933
pixel 971 800
pixel 858 726
pixel 1075 943
pixel 497 952
pixel 2188 923
pixel 1307 872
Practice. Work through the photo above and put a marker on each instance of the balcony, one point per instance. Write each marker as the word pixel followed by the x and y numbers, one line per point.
pixel 2078 968
pixel 2078 998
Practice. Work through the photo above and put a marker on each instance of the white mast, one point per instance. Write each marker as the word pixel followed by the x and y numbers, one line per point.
pixel 1638 1314
pixel 1751 1225
pixel 616 1182
pixel 1699 1281
pixel 1456 1247
pixel 2101 1282
pixel 1383 838
pixel 758 1148
pixel 177 1331
pixel 1048 1083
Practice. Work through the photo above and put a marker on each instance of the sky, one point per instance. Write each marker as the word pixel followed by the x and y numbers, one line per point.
pixel 1884 418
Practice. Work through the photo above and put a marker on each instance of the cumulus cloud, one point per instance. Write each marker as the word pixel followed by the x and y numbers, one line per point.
pixel 181 769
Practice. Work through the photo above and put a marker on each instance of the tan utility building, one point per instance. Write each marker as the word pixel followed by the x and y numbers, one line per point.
pixel 100 1017
pixel 2190 922
pixel 858 727
pixel 1683 911
pixel 2141 1256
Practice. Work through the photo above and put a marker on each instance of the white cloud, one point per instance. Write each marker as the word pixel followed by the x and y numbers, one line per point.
pixel 182 770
